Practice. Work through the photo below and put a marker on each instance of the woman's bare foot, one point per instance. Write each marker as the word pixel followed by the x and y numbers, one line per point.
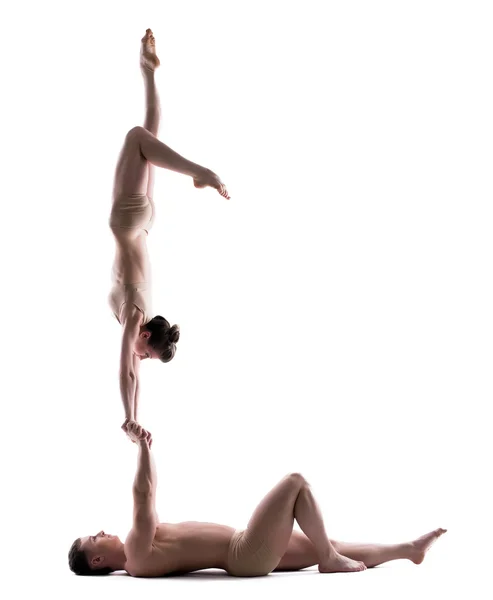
pixel 337 563
pixel 207 178
pixel 148 57
pixel 421 546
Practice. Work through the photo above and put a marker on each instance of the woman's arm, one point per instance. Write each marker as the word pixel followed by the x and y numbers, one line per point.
pixel 127 391
pixel 136 360
pixel 128 378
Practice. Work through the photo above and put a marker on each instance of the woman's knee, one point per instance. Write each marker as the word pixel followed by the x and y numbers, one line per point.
pixel 135 132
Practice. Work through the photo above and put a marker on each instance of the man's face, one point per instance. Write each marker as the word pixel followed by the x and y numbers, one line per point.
pixel 99 546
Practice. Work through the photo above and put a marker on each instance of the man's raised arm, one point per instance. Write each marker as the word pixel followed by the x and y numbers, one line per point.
pixel 145 481
pixel 145 518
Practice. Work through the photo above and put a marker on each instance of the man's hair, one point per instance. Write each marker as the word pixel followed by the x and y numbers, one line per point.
pixel 163 337
pixel 79 564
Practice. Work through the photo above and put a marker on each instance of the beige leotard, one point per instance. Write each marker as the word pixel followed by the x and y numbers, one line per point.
pixel 138 294
pixel 131 212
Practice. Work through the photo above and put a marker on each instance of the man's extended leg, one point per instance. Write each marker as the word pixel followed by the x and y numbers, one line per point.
pixel 301 553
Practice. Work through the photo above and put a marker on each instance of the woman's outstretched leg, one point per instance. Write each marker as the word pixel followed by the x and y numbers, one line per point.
pixel 301 552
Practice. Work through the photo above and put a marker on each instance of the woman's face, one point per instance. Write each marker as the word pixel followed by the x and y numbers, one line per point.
pixel 142 348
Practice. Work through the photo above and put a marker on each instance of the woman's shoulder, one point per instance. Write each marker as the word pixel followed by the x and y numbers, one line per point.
pixel 131 315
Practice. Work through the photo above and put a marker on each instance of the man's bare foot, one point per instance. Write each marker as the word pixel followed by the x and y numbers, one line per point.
pixel 207 178
pixel 337 563
pixel 148 57
pixel 421 546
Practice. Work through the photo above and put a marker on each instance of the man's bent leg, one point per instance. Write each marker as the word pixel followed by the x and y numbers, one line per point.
pixel 271 525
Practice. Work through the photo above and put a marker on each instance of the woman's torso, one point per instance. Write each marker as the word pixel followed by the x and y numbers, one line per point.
pixel 131 274
pixel 131 264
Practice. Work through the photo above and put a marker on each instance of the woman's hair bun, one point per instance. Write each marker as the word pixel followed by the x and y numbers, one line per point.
pixel 173 334
pixel 163 337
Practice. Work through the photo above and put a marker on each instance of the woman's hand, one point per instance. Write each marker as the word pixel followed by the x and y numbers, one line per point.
pixel 126 424
pixel 136 432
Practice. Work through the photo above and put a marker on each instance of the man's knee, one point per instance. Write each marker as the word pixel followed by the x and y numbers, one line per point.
pixel 297 479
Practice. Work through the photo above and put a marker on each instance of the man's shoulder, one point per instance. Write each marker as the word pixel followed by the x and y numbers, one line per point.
pixel 135 547
pixel 149 561
pixel 138 563
pixel 149 565
pixel 136 570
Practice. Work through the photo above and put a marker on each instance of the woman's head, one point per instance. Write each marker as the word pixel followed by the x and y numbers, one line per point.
pixel 157 339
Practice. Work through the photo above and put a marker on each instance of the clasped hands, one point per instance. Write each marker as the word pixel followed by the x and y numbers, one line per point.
pixel 136 432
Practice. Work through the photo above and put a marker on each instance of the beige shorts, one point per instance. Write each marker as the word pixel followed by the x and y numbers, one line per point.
pixel 132 212
pixel 249 556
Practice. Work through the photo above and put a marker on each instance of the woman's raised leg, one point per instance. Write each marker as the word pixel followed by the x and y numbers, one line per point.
pixel 148 64
pixel 155 151
pixel 134 174
pixel 142 149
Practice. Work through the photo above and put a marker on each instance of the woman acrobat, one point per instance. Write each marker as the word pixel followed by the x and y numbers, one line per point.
pixel 144 335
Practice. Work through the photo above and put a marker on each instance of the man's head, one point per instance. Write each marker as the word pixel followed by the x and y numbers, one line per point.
pixel 98 554
pixel 157 339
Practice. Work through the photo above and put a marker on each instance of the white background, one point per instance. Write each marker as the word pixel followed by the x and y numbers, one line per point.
pixel 335 314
